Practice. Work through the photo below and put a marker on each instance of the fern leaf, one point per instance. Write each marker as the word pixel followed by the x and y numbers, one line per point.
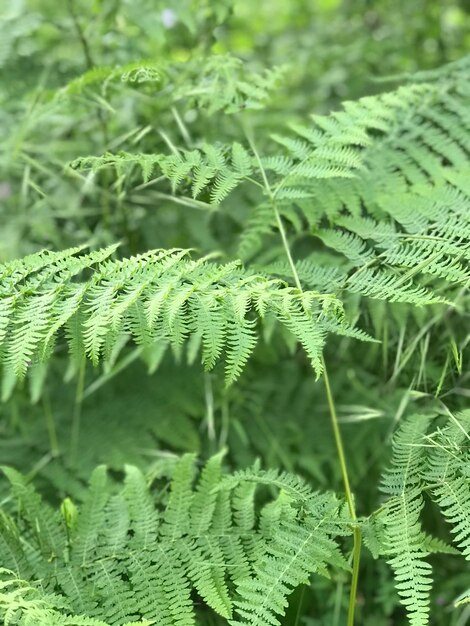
pixel 406 542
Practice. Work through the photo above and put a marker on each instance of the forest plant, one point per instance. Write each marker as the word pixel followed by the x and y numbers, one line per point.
pixel 137 554
pixel 339 224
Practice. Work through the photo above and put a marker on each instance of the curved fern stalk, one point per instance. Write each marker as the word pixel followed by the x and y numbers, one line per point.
pixel 292 485
pixel 130 555
pixel 102 77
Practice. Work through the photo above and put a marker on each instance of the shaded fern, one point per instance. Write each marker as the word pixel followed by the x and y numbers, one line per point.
pixel 133 554
pixel 399 533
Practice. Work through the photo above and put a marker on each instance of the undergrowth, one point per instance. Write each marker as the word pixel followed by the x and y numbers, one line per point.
pixel 233 332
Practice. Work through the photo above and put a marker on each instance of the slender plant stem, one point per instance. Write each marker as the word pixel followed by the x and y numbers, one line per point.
pixel 299 607
pixel 285 243
pixel 77 410
pixel 337 606
pixel 209 396
pixel 338 442
pixel 50 423
pixel 225 414
pixel 101 118
pixel 357 539
pixel 81 35
pixel 356 561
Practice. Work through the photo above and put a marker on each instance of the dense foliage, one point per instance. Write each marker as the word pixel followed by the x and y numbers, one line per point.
pixel 234 313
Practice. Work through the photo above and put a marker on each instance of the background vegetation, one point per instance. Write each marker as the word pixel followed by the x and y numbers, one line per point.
pixel 85 85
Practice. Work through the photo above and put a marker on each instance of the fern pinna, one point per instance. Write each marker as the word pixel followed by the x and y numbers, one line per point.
pixel 429 459
pixel 139 554
pixel 157 298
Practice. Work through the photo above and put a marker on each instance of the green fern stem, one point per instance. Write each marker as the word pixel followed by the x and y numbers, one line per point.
pixel 50 424
pixel 357 538
pixel 339 443
pixel 285 243
pixel 100 116
pixel 77 409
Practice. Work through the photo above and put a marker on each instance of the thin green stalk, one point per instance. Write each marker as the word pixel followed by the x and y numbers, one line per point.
pixel 209 397
pixel 299 607
pixel 89 61
pixel 50 424
pixel 101 118
pixel 77 410
pixel 337 606
pixel 285 243
pixel 356 560
pixel 357 539
pixel 225 415
pixel 338 442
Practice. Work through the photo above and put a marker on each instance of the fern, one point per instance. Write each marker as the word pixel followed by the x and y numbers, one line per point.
pixel 448 477
pixel 160 296
pixel 134 555
pixel 212 168
pixel 24 604
pixel 369 204
pixel 402 536
pixel 388 169
pixel 219 82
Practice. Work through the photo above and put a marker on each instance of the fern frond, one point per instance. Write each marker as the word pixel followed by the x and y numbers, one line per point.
pixel 214 540
pixel 101 77
pixel 291 554
pixel 391 287
pixel 50 533
pixel 220 82
pixel 160 296
pixel 390 171
pixel 176 520
pixel 348 244
pixel 448 477
pixel 215 169
pixel 404 537
pixel 22 604
pixel 293 485
pixel 91 518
